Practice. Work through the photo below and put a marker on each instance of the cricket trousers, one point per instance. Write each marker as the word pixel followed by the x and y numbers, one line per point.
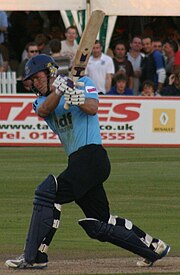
pixel 82 181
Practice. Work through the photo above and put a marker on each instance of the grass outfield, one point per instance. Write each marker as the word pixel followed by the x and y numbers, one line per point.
pixel 144 187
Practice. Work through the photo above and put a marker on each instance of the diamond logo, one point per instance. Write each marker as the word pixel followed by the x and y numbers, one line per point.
pixel 164 118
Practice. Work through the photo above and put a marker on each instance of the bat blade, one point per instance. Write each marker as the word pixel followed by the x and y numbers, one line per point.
pixel 86 45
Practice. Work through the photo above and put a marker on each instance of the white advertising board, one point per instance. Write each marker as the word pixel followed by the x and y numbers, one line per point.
pixel 124 121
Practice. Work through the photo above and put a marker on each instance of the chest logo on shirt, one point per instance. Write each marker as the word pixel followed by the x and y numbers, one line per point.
pixel 65 121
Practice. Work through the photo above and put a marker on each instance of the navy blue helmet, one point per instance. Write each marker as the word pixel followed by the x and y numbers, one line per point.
pixel 38 63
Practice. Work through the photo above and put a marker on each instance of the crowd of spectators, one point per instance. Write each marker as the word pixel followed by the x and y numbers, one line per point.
pixel 142 65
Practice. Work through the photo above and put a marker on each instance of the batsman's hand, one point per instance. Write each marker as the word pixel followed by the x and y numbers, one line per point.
pixel 77 96
pixel 63 84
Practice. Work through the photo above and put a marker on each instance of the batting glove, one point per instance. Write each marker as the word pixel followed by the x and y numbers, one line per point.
pixel 75 97
pixel 63 84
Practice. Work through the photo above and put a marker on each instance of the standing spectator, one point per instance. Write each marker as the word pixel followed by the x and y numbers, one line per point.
pixel 157 44
pixel 148 89
pixel 31 50
pixel 170 48
pixel 121 64
pixel 100 69
pixel 135 57
pixel 153 67
pixel 3 26
pixel 120 86
pixel 69 46
pixel 173 88
pixel 62 61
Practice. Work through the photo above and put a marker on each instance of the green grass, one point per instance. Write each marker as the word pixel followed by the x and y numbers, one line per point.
pixel 144 187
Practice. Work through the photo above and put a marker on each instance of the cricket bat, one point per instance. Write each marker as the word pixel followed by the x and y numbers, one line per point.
pixel 86 45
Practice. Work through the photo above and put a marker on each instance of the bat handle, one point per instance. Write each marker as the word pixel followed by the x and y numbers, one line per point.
pixel 66 106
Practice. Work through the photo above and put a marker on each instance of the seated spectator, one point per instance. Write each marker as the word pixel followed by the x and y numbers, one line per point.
pixel 41 41
pixel 173 88
pixel 148 89
pixel 120 86
pixel 62 61
pixel 32 50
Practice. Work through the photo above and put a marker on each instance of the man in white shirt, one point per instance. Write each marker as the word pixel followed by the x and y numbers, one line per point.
pixel 100 69
pixel 69 46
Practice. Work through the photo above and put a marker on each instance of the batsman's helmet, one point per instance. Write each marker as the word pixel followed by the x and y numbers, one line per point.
pixel 38 63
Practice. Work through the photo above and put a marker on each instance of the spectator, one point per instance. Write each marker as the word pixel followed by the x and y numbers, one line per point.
pixel 148 89
pixel 120 86
pixel 153 67
pixel 135 57
pixel 3 26
pixel 100 69
pixel 56 33
pixel 170 48
pixel 157 44
pixel 69 46
pixel 1 64
pixel 121 64
pixel 42 41
pixel 62 61
pixel 173 88
pixel 23 28
pixel 5 57
pixel 31 50
pixel 55 48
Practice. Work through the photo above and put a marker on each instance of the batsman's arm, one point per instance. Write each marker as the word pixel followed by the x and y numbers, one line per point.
pixel 90 106
pixel 49 105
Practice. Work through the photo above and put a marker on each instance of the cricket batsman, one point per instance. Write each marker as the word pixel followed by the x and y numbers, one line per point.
pixel 83 180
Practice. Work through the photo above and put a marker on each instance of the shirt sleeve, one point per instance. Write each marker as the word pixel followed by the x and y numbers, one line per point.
pixel 90 88
pixel 159 60
pixel 111 67
pixel 38 102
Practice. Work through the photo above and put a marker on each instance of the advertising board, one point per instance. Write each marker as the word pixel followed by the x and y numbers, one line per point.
pixel 124 121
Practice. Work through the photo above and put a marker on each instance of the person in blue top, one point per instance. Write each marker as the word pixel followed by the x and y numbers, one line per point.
pixel 120 86
pixel 82 181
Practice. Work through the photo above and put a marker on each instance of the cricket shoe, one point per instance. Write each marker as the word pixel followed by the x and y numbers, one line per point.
pixel 162 249
pixel 20 263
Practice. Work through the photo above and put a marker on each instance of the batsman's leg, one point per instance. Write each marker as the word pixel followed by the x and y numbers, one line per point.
pixel 157 245
pixel 44 223
pixel 121 233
